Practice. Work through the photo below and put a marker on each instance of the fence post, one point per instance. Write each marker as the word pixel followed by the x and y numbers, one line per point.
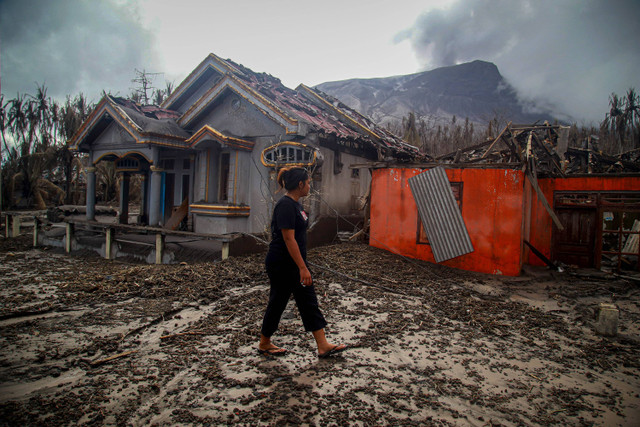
pixel 16 226
pixel 67 246
pixel 159 247
pixel 225 249
pixel 108 242
pixel 36 227
pixel 7 225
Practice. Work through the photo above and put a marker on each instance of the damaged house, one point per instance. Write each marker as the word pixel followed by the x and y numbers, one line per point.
pixel 524 197
pixel 209 155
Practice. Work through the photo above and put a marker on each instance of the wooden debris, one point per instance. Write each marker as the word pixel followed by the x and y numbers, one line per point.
pixel 547 146
pixel 109 359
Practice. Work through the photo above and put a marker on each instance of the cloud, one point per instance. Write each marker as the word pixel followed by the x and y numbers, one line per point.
pixel 572 54
pixel 72 46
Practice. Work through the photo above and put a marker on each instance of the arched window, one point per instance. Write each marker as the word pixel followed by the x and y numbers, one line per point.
pixel 127 164
pixel 288 154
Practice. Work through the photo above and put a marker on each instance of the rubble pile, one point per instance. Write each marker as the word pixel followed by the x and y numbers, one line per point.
pixel 545 147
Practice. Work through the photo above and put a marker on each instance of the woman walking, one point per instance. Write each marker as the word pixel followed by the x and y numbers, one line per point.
pixel 287 268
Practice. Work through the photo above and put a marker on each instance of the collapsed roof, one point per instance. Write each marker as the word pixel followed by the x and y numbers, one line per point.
pixel 544 148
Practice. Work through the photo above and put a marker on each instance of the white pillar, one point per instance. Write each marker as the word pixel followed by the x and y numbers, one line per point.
pixel 154 196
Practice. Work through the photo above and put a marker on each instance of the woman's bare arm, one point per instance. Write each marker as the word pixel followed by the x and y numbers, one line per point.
pixel 288 235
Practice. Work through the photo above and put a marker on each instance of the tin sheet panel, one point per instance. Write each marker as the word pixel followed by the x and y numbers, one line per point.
pixel 440 214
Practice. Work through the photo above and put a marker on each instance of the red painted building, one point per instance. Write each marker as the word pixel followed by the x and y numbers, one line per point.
pixel 601 217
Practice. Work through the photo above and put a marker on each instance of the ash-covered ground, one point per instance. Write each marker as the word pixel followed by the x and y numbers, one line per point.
pixel 88 341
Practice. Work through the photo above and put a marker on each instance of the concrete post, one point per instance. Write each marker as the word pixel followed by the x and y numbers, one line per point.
pixel 607 322
pixel 108 242
pixel 91 193
pixel 16 226
pixel 159 247
pixel 154 196
pixel 69 238
pixel 36 228
pixel 124 199
pixel 225 250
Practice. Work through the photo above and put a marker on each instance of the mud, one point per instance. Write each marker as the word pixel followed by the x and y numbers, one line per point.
pixel 93 342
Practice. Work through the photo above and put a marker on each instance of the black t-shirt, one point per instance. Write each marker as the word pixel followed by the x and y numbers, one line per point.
pixel 288 214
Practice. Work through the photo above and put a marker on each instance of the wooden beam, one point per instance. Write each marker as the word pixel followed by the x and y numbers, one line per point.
pixel 496 140
pixel 551 155
pixel 534 182
pixel 464 150
pixel 540 255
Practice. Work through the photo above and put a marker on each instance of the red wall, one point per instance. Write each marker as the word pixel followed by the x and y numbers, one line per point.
pixel 541 222
pixel 492 209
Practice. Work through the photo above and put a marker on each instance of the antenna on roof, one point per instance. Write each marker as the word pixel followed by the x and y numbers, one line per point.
pixel 144 79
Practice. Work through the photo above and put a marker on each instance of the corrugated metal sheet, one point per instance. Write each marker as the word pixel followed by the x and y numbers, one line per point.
pixel 440 214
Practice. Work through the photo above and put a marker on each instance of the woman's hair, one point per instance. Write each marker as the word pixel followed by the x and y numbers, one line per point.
pixel 289 177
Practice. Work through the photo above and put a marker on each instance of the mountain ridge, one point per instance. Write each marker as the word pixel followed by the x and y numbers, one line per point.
pixel 473 89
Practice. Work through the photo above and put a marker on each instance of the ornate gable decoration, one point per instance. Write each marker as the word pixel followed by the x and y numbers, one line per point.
pixel 288 154
pixel 207 132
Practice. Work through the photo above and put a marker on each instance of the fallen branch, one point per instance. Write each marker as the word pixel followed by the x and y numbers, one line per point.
pixel 533 376
pixel 109 359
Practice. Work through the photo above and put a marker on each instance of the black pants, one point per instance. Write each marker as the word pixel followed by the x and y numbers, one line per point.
pixel 284 282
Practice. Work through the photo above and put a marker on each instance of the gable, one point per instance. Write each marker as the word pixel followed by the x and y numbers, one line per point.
pixel 232 114
pixel 189 94
pixel 201 79
pixel 113 137
pixel 229 84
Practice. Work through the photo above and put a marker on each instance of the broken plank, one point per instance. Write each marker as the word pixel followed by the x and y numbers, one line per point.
pixel 534 183
pixel 550 155
pixel 109 359
pixel 464 150
pixel 496 140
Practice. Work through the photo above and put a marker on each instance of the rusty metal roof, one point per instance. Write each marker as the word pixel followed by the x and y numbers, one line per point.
pixel 440 215
pixel 324 113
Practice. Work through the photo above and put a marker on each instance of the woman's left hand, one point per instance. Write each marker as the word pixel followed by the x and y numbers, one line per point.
pixel 305 277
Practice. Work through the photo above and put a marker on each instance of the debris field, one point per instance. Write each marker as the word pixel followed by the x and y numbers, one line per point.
pixel 87 341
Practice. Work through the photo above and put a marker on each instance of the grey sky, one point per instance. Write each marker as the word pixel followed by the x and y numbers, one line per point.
pixel 572 53
pixel 72 46
pixel 569 53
